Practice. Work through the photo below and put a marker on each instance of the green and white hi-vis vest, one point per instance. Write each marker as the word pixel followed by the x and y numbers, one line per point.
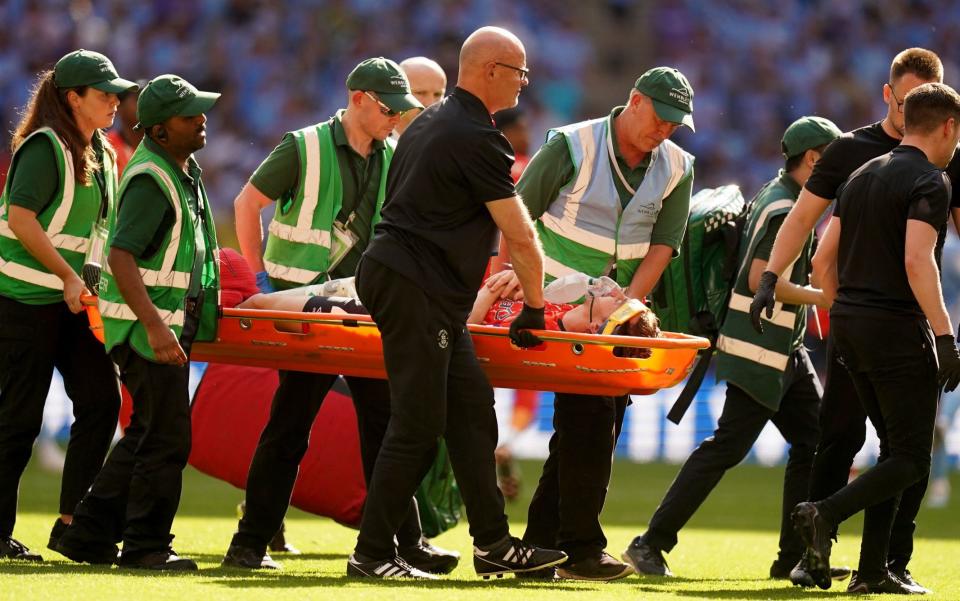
pixel 301 232
pixel 74 219
pixel 167 275
pixel 586 229
pixel 756 362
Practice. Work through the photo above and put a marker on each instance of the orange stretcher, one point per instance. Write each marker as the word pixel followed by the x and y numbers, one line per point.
pixel 350 345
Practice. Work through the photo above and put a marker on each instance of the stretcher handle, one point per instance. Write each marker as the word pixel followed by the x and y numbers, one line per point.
pixel 670 341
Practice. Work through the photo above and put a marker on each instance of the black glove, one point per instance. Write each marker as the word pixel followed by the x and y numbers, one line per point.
pixel 948 374
pixel 529 319
pixel 763 299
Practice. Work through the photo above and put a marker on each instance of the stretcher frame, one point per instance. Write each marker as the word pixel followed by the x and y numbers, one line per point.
pixel 350 345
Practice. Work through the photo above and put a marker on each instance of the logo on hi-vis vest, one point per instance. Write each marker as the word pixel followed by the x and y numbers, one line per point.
pixel 648 208
pixel 443 339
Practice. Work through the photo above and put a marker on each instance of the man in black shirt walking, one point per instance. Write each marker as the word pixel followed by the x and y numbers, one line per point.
pixel 842 419
pixel 878 255
pixel 448 190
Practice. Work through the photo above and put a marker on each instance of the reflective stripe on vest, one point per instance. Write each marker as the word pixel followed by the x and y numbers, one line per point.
pixel 753 352
pixel 588 211
pixel 290 274
pixel 124 312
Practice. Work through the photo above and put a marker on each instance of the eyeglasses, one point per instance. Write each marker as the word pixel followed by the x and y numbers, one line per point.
pixel 385 110
pixel 524 73
pixel 895 99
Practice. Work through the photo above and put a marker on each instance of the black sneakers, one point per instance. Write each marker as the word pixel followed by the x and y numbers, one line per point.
pixel 599 567
pixel 799 574
pixel 165 560
pixel 888 583
pixel 428 558
pixel 815 532
pixel 238 556
pixel 514 556
pixel 55 533
pixel 73 547
pixel 387 568
pixel 899 569
pixel 11 548
pixel 646 559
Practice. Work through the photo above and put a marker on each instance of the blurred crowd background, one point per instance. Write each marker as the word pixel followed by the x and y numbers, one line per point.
pixel 755 65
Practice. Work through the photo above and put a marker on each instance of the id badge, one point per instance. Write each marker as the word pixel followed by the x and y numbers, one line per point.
pixel 343 241
pixel 98 244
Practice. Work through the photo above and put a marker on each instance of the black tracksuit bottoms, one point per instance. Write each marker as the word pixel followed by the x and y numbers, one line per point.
pixel 437 388
pixel 34 339
pixel 738 428
pixel 842 434
pixel 897 387
pixel 284 441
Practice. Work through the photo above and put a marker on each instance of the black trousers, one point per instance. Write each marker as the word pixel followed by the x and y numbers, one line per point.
pixel 437 388
pixel 565 509
pixel 135 496
pixel 738 428
pixel 897 387
pixel 33 340
pixel 276 462
pixel 842 434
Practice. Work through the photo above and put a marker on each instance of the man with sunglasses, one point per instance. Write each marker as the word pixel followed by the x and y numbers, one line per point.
pixel 769 378
pixel 842 417
pixel 609 196
pixel 328 183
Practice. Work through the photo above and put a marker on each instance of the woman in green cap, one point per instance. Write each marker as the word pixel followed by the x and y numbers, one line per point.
pixel 57 206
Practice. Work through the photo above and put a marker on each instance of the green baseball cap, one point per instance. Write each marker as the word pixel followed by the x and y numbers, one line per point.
pixel 87 68
pixel 168 96
pixel 671 93
pixel 387 80
pixel 806 133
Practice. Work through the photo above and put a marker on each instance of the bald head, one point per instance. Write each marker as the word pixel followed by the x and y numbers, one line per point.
pixel 427 80
pixel 493 67
pixel 488 44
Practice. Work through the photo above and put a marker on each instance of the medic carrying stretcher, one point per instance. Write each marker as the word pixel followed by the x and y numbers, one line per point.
pixel 233 399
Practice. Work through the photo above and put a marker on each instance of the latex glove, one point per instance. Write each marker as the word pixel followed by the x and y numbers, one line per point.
pixel 529 319
pixel 948 357
pixel 263 283
pixel 763 299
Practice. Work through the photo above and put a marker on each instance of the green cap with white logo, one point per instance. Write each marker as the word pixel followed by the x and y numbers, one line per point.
pixel 806 133
pixel 168 96
pixel 87 68
pixel 671 93
pixel 385 78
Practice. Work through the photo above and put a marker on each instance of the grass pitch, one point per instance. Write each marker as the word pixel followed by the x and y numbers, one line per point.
pixel 724 553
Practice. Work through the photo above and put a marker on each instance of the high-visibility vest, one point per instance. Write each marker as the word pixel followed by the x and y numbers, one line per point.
pixel 756 362
pixel 587 229
pixel 69 221
pixel 167 274
pixel 300 233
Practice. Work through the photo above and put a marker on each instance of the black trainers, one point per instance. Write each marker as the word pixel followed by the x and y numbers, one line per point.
pixel 238 556
pixel 800 574
pixel 11 548
pixel 815 532
pixel 385 568
pixel 888 584
pixel 279 543
pixel 600 567
pixel 166 560
pixel 899 569
pixel 646 559
pixel 82 551
pixel 55 533
pixel 429 558
pixel 514 556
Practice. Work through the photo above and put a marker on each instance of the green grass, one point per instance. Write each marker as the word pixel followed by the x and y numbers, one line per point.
pixel 724 553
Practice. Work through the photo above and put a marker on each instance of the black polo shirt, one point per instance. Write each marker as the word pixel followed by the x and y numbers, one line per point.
pixel 850 151
pixel 436 229
pixel 873 208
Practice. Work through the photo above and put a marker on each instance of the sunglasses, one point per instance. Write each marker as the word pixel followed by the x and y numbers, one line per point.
pixel 385 110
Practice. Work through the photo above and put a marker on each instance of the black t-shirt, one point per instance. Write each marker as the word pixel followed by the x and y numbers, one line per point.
pixel 873 208
pixel 850 151
pixel 436 229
